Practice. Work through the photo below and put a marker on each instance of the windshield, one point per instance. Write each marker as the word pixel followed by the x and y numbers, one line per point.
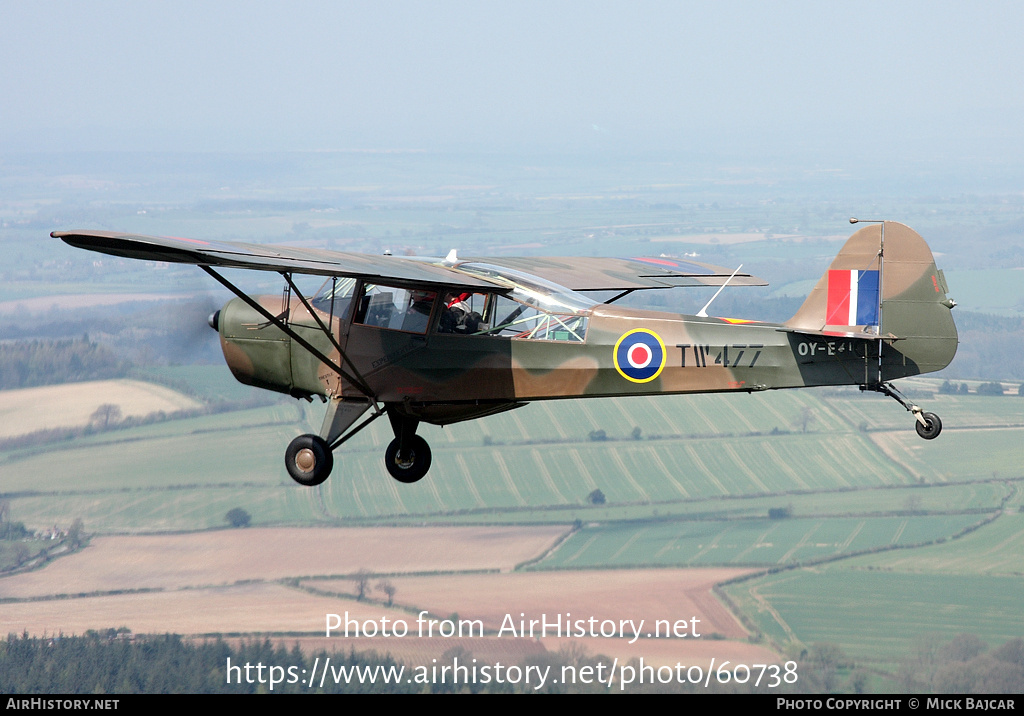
pixel 534 308
pixel 335 296
pixel 532 289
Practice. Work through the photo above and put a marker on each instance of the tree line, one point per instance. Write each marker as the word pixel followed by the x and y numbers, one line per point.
pixel 25 364
pixel 113 661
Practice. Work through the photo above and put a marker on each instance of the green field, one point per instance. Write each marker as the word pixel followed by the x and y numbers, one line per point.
pixel 697 456
pixel 748 542
pixel 876 616
pixel 995 550
pixel 888 537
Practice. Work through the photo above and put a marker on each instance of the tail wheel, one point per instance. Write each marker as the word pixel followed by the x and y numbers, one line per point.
pixel 411 466
pixel 309 460
pixel 931 428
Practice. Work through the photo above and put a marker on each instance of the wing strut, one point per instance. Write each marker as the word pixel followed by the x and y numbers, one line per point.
pixel 621 295
pixel 703 313
pixel 358 383
pixel 330 334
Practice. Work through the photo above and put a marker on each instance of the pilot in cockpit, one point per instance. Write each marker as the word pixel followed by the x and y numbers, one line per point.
pixel 458 315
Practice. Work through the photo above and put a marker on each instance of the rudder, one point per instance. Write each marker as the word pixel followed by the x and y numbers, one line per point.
pixel 914 316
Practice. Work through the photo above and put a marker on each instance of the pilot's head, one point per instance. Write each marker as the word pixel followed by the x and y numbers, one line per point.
pixel 421 301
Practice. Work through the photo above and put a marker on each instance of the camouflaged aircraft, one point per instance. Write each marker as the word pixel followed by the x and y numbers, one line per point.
pixel 447 340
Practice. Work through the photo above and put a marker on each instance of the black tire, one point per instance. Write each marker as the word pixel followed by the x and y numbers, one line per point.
pixel 416 464
pixel 309 460
pixel 933 428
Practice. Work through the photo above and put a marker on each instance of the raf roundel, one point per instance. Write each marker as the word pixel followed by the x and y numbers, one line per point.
pixel 639 355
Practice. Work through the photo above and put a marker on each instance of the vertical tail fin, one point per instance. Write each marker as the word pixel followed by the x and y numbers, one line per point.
pixel 884 282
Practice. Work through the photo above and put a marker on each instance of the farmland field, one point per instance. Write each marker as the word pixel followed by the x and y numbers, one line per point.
pixel 666 595
pixel 700 454
pixel 995 550
pixel 876 615
pixel 747 542
pixel 225 557
pixel 243 609
pixel 65 406
pixel 284 582
pixel 897 532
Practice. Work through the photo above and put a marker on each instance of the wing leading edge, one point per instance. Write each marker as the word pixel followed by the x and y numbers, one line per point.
pixel 578 273
pixel 266 257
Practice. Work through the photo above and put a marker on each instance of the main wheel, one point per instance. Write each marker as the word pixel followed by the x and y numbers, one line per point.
pixel 309 460
pixel 413 465
pixel 933 427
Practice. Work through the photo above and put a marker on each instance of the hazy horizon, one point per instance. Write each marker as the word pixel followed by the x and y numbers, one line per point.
pixel 815 83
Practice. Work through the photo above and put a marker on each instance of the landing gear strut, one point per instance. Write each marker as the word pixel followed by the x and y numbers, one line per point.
pixel 310 458
pixel 928 425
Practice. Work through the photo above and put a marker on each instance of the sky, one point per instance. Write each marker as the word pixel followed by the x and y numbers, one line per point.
pixel 878 80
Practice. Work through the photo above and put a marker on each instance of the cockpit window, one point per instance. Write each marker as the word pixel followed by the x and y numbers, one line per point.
pixel 544 293
pixel 335 296
pixel 517 318
pixel 533 309
pixel 399 309
pixel 462 312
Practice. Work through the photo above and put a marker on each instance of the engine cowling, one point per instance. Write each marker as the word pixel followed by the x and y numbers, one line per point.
pixel 257 352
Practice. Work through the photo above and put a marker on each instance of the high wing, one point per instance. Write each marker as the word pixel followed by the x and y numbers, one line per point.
pixel 578 274
pixel 614 274
pixel 266 257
